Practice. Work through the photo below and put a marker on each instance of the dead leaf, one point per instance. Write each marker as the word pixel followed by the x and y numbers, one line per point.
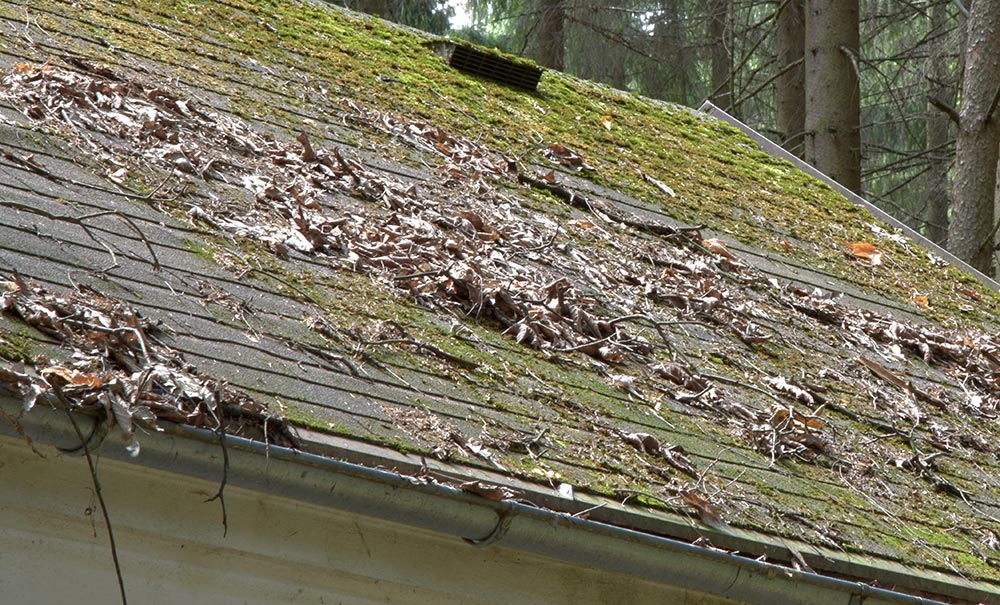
pixel 644 442
pixel 606 122
pixel 922 302
pixel 658 184
pixel 717 246
pixel 565 156
pixel 489 491
pixel 63 376
pixel 781 414
pixel 866 251
pixel 709 513
pixel 781 384
pixel 308 155
pixel 968 292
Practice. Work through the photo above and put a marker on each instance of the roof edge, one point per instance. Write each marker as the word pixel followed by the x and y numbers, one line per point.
pixel 768 146
pixel 479 521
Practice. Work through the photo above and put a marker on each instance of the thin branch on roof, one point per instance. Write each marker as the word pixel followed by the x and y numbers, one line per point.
pixel 80 222
pixel 421 346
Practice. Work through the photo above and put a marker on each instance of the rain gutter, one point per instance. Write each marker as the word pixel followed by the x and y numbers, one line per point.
pixel 480 522
pixel 770 147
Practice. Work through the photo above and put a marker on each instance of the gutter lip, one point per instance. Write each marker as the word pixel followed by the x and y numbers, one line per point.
pixel 170 450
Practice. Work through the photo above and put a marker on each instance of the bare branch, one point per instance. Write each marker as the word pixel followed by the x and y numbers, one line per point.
pixel 97 487
pixel 993 104
pixel 948 109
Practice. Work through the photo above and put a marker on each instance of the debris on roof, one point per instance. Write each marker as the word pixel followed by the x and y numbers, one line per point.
pixel 571 288
pixel 121 372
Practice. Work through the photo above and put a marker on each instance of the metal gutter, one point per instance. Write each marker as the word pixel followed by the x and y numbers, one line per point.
pixel 481 522
pixel 770 147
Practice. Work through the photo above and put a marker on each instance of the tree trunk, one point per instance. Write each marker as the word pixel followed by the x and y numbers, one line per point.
pixel 978 142
pixel 790 90
pixel 668 79
pixel 833 96
pixel 938 198
pixel 597 43
pixel 551 46
pixel 379 8
pixel 722 54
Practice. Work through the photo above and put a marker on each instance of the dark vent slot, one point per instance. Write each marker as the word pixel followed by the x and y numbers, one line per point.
pixel 491 66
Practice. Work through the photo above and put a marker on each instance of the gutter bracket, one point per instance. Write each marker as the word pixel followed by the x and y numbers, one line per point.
pixel 504 518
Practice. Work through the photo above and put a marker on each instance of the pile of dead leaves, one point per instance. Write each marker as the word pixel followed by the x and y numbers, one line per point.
pixel 119 371
pixel 601 283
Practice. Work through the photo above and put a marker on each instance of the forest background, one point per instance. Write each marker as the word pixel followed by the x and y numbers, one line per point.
pixel 895 99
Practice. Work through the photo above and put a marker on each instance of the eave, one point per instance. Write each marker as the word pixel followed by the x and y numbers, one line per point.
pixel 538 522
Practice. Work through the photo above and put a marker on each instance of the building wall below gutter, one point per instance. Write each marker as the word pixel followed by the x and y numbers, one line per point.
pixel 173 548
pixel 334 519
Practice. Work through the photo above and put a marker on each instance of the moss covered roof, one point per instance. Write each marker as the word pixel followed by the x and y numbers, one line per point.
pixel 597 300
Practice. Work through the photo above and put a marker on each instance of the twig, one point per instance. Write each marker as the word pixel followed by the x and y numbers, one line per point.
pixel 347 167
pixel 324 355
pixel 220 430
pixel 607 210
pixel 97 488
pixel 456 107
pixel 19 429
pixel 739 383
pixel 424 346
pixel 592 343
pixel 79 221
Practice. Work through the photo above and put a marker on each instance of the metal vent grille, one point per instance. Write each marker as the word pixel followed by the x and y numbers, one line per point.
pixel 490 66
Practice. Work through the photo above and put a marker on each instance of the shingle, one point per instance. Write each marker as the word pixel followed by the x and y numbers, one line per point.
pixel 388 351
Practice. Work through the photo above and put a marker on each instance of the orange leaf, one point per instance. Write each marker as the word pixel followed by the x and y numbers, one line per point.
pixel 866 251
pixel 606 121
pixel 922 302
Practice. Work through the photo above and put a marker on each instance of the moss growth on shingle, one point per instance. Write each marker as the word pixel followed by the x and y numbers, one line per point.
pixel 287 66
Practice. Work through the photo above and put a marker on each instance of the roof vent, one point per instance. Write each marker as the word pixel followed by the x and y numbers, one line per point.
pixel 491 65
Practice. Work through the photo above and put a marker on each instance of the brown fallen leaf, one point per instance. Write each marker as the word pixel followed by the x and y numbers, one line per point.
pixel 308 155
pixel 866 251
pixel 922 302
pixel 709 513
pixel 780 414
pixel 489 491
pixel 63 376
pixel 644 442
pixel 717 246
pixel 566 156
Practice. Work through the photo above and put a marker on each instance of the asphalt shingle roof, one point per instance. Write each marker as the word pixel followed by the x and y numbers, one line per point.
pixel 591 298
